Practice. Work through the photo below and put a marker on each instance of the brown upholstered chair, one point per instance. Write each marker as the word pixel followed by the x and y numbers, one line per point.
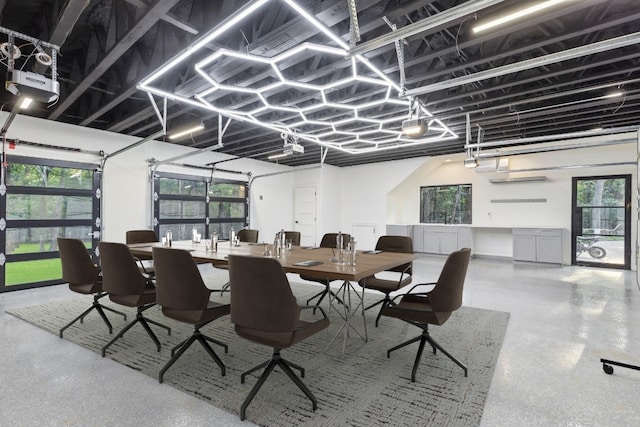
pixel 328 241
pixel 386 286
pixel 126 285
pixel 183 296
pixel 294 236
pixel 244 235
pixel 248 235
pixel 143 236
pixel 265 311
pixel 83 277
pixel 434 307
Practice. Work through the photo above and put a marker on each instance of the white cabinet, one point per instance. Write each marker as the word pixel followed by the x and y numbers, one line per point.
pixel 399 230
pixel 441 239
pixel 537 245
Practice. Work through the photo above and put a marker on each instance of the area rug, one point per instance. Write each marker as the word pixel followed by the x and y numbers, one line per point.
pixel 357 386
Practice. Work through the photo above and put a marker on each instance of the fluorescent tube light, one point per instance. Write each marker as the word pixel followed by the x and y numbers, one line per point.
pixel 187 131
pixel 516 15
pixel 277 156
pixel 614 94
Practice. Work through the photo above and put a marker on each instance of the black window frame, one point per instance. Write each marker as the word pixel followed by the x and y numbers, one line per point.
pixel 94 222
pixel 442 218
pixel 206 199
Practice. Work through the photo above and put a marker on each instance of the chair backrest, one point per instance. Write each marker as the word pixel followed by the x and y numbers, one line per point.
pixel 77 266
pixel 447 295
pixel 329 240
pixel 248 235
pixel 294 236
pixel 141 236
pixel 261 298
pixel 401 244
pixel 120 272
pixel 179 284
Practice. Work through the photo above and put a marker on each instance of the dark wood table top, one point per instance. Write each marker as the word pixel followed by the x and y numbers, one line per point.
pixel 367 264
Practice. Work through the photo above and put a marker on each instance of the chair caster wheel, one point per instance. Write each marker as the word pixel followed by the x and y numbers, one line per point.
pixel 608 369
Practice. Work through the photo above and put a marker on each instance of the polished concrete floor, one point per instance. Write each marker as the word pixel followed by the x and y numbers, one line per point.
pixel 563 320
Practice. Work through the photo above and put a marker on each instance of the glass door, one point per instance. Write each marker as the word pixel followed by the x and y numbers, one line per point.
pixel 601 226
pixel 41 200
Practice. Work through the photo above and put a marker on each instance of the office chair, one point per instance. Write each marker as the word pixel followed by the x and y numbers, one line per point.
pixel 248 235
pixel 294 236
pixel 434 307
pixel 183 296
pixel 264 310
pixel 126 285
pixel 143 236
pixel 245 235
pixel 83 277
pixel 328 241
pixel 401 244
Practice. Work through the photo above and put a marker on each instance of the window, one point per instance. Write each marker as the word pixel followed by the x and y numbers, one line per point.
pixel 445 204
pixel 184 202
pixel 45 199
pixel 228 207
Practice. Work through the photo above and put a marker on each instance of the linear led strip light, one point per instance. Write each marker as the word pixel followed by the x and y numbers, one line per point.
pixel 371 133
pixel 517 15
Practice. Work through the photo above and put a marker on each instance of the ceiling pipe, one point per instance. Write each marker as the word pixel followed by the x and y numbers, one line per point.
pixel 577 52
pixel 572 135
pixel 533 150
pixel 442 19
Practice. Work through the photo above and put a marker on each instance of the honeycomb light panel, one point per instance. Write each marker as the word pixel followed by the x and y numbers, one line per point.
pixel 333 113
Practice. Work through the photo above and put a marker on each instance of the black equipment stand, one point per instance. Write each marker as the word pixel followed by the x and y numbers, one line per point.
pixel 608 369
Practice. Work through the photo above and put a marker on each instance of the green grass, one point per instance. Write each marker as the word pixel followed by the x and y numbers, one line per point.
pixel 17 273
pixel 32 271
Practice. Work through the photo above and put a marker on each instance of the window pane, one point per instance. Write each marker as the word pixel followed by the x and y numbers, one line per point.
pixel 600 192
pixel 182 186
pixel 218 209
pixel 174 209
pixel 43 239
pixel 49 176
pixel 446 204
pixel 227 190
pixel 17 273
pixel 37 206
pixel 181 231
pixel 223 228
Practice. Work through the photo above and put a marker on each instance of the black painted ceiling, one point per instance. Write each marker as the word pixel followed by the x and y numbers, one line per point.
pixel 585 49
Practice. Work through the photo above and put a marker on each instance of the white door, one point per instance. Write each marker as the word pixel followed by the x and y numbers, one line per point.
pixel 304 215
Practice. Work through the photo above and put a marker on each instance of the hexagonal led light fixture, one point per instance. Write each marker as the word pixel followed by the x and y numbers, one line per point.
pixel 363 111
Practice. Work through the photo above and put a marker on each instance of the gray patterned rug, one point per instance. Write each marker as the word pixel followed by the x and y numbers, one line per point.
pixel 357 387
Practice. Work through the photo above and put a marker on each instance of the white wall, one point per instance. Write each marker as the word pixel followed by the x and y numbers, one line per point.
pixel 127 202
pixel 375 194
pixel 558 166
pixel 365 199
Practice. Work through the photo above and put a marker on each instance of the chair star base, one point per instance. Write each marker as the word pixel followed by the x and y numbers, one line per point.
pixel 425 338
pixel 386 302
pixel 276 360
pixel 145 324
pixel 100 309
pixel 183 346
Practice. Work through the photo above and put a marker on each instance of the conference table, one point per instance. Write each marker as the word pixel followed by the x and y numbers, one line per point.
pixel 310 261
